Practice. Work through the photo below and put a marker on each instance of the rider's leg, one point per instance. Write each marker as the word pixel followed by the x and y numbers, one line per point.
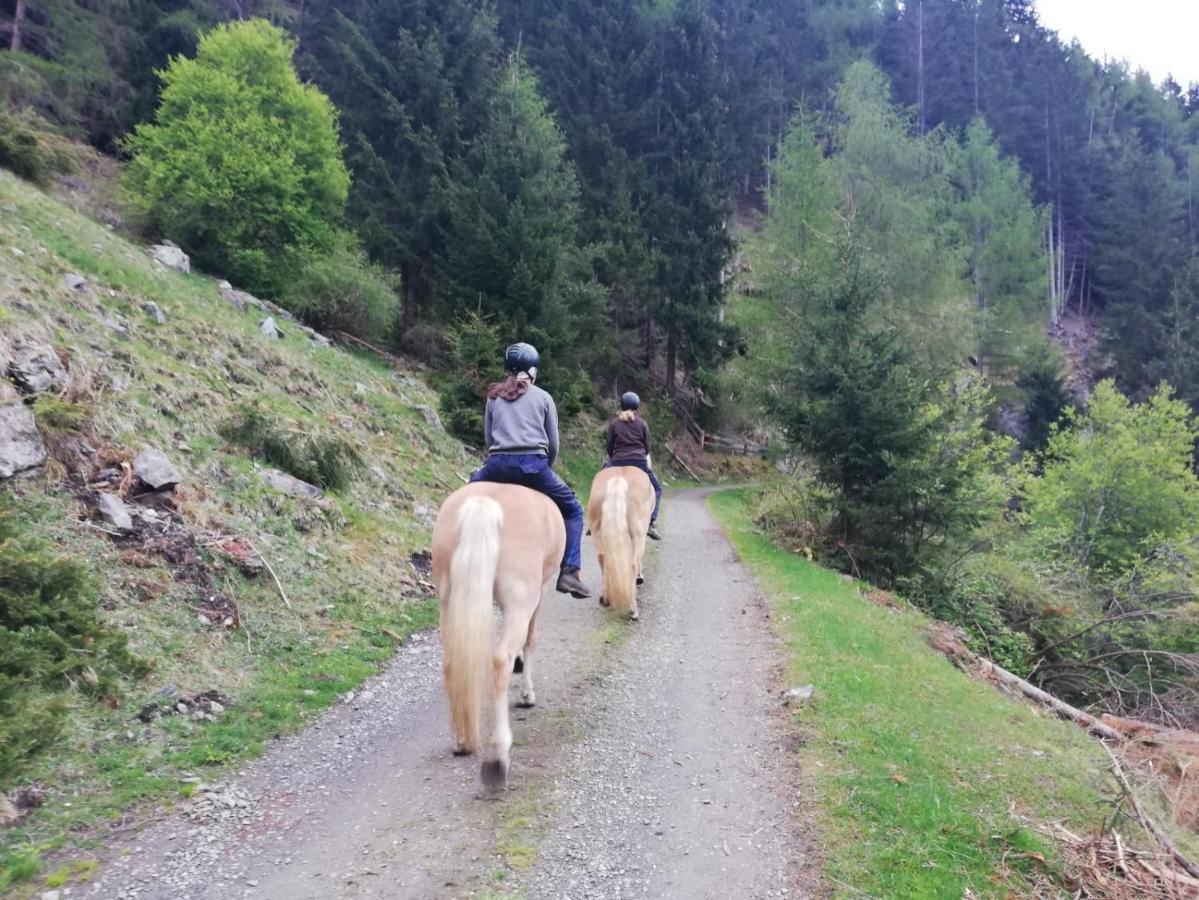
pixel 548 482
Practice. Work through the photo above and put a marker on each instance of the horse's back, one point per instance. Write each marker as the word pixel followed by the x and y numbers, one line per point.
pixel 641 491
pixel 532 525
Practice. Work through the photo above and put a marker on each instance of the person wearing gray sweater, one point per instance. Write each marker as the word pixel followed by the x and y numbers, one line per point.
pixel 520 426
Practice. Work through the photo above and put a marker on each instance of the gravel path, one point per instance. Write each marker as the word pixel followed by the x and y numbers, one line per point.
pixel 654 766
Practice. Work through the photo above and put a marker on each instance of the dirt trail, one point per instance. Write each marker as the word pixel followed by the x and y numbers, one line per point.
pixel 654 766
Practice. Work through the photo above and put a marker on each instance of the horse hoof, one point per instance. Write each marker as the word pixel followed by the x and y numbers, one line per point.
pixel 526 704
pixel 634 617
pixel 463 751
pixel 603 601
pixel 641 579
pixel 494 774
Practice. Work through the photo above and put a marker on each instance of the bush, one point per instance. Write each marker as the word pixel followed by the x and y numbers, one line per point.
pixel 242 164
pixel 1117 481
pixel 476 360
pixel 51 639
pixel 344 291
pixel 30 149
pixel 326 462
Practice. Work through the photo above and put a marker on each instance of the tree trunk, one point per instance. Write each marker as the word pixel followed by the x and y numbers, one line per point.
pixel 920 64
pixel 672 341
pixel 977 111
pixel 18 19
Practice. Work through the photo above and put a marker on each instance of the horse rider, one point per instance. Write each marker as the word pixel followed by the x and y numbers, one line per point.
pixel 628 445
pixel 521 429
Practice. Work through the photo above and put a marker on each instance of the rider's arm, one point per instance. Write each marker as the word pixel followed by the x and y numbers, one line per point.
pixel 645 436
pixel 551 430
pixel 611 442
pixel 487 425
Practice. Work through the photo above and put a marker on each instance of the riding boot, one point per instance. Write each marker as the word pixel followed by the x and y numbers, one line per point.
pixel 570 583
pixel 652 533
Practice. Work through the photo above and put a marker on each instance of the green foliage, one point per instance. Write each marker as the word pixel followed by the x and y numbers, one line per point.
pixel 30 149
pixel 51 642
pixel 1117 481
pixel 343 290
pixel 413 82
pixel 317 459
pixel 1046 398
pixel 476 360
pixel 511 247
pixel 242 164
pixel 1004 234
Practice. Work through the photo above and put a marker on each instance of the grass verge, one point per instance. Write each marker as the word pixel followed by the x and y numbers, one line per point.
pixel 928 784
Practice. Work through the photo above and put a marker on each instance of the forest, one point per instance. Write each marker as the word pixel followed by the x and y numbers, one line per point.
pixel 946 261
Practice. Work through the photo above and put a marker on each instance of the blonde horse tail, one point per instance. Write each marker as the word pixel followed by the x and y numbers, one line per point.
pixel 466 620
pixel 617 540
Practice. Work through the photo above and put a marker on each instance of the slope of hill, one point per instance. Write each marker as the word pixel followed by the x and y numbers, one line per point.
pixel 255 598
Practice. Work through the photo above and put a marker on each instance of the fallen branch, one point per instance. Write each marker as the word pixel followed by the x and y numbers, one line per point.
pixel 278 584
pixel 678 459
pixel 1151 827
pixel 1063 709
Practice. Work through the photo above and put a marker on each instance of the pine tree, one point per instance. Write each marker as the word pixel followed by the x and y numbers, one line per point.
pixel 413 81
pixel 1006 262
pixel 511 249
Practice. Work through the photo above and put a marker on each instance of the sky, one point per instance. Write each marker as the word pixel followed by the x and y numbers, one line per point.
pixel 1161 36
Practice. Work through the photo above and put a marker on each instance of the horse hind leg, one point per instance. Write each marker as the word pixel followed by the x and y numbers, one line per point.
pixel 524 668
pixel 497 752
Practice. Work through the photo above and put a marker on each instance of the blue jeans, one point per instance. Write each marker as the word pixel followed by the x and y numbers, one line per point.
pixel 653 479
pixel 533 471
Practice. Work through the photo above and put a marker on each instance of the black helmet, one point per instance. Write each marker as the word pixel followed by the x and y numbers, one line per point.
pixel 629 400
pixel 522 358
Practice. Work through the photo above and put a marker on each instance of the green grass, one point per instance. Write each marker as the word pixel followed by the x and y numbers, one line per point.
pixel 343 562
pixel 917 768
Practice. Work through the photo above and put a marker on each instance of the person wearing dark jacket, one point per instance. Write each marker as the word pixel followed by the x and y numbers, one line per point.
pixel 520 426
pixel 628 445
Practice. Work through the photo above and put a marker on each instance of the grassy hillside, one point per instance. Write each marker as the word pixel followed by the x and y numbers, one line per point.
pixel 178 587
pixel 928 783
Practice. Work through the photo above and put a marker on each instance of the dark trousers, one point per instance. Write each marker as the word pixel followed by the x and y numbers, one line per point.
pixel 533 471
pixel 653 479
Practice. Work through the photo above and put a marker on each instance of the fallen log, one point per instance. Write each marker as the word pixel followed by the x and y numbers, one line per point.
pixel 1063 709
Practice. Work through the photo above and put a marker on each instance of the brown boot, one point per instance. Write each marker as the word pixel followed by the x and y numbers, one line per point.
pixel 570 583
pixel 652 533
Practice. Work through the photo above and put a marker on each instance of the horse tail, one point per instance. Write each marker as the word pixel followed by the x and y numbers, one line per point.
pixel 617 540
pixel 466 618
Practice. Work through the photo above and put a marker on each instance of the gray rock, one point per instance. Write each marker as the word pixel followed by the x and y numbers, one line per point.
pixel 114 511
pixel 799 694
pixel 36 368
pixel 154 311
pixel 171 256
pixel 430 416
pixel 16 251
pixel 269 328
pixel 75 282
pixel 240 300
pixel 51 895
pixel 21 444
pixel 153 468
pixel 290 485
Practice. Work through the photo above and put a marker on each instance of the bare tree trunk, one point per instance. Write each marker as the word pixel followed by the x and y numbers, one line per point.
pixel 18 19
pixel 977 111
pixel 920 63
pixel 672 341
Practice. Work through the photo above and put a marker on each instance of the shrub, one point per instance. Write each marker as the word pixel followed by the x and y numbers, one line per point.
pixel 242 164
pixel 50 639
pixel 326 462
pixel 476 360
pixel 342 290
pixel 1117 480
pixel 30 149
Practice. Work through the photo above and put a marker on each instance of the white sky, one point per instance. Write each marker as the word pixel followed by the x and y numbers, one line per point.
pixel 1161 36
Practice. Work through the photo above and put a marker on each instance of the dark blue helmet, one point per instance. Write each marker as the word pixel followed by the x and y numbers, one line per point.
pixel 629 400
pixel 522 358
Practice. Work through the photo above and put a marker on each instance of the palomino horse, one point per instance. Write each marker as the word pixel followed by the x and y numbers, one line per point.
pixel 618 512
pixel 492 544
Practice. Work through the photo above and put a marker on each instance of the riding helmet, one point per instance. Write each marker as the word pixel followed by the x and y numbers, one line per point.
pixel 522 358
pixel 629 400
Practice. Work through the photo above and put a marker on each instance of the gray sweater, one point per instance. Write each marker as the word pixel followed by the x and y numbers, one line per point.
pixel 528 424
